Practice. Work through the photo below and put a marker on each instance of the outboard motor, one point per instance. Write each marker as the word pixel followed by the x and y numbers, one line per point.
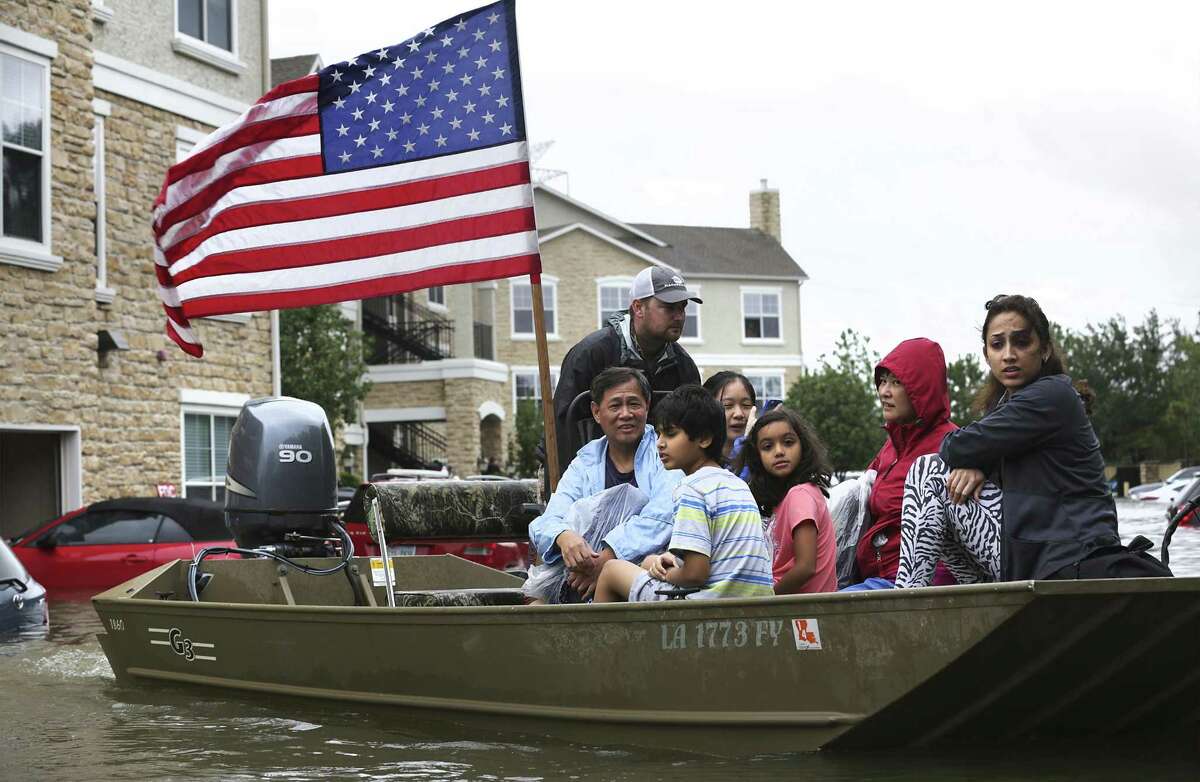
pixel 281 483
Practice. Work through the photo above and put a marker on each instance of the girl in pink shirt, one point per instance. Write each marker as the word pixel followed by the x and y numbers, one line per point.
pixel 789 476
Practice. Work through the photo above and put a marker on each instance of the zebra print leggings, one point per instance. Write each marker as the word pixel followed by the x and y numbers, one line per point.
pixel 966 536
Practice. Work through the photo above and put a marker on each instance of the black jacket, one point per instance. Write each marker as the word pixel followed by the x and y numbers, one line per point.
pixel 1040 447
pixel 610 346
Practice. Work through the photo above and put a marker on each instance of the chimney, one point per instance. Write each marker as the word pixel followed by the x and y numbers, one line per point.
pixel 764 211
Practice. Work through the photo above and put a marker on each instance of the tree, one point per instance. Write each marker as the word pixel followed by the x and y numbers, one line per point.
pixel 1126 369
pixel 321 359
pixel 839 400
pixel 523 443
pixel 1180 428
pixel 964 376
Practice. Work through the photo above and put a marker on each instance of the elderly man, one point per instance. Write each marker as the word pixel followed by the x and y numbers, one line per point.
pixel 644 337
pixel 626 454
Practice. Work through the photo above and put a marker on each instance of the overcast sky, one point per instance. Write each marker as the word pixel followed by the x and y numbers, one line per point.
pixel 928 155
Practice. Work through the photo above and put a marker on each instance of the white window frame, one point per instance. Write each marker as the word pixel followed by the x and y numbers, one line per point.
pixel 15 250
pixel 101 110
pixel 434 304
pixel 694 307
pixel 211 403
pixel 775 291
pixel 537 383
pixel 101 13
pixel 202 50
pixel 609 282
pixel 757 373
pixel 549 291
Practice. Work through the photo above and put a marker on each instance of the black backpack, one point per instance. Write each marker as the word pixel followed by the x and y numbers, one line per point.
pixel 1132 561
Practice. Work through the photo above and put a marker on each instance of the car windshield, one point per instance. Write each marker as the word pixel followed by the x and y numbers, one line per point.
pixel 10 566
pixel 1186 474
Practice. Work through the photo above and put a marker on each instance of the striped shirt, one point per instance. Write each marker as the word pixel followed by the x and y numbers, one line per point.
pixel 716 515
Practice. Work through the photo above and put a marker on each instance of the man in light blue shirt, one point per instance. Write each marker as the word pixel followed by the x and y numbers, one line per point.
pixel 627 453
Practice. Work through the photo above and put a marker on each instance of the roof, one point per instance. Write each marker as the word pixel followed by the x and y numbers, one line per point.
pixel 203 519
pixel 702 249
pixel 288 68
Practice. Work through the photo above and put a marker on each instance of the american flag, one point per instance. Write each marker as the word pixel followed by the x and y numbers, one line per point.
pixel 403 168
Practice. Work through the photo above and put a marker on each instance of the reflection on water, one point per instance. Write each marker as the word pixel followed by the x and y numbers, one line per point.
pixel 67 718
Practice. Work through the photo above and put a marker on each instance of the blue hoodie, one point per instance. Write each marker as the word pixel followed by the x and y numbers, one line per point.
pixel 641 535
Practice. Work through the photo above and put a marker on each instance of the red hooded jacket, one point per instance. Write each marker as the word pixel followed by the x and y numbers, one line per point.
pixel 920 366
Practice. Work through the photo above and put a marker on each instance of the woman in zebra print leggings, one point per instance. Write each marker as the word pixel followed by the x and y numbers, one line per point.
pixel 1020 493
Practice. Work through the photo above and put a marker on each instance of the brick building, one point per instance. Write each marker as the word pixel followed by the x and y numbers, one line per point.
pixel 451 364
pixel 99 98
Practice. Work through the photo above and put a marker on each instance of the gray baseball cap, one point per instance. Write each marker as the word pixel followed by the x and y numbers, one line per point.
pixel 663 284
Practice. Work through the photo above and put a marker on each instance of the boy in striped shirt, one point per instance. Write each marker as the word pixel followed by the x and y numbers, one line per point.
pixel 718 542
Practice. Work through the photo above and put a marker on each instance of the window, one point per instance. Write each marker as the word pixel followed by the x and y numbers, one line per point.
pixel 100 109
pixel 24 147
pixel 527 388
pixel 766 385
pixel 210 21
pixel 691 322
pixel 437 295
pixel 760 315
pixel 205 454
pixel 108 527
pixel 614 298
pixel 522 307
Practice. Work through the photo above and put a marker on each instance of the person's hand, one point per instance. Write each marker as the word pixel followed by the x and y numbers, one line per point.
pixel 964 483
pixel 584 579
pixel 576 553
pixel 661 565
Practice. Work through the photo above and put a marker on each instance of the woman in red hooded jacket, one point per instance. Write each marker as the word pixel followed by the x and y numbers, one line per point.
pixel 911 381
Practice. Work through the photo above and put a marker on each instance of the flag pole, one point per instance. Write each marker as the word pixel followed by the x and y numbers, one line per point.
pixel 539 329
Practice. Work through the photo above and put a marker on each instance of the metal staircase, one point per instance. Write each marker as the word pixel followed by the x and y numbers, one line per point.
pixel 406 332
pixel 408 444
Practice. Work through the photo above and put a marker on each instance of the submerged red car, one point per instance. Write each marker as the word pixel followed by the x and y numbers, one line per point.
pixel 102 544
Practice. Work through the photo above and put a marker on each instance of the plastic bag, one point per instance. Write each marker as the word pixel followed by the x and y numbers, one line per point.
pixel 851 515
pixel 593 518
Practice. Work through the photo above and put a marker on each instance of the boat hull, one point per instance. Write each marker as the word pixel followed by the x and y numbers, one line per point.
pixel 775 674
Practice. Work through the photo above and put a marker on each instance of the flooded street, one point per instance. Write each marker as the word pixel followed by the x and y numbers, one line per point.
pixel 66 718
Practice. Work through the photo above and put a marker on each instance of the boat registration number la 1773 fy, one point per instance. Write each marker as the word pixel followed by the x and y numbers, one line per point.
pixel 737 634
pixel 184 647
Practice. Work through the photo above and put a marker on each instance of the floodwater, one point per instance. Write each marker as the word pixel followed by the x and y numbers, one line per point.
pixel 64 717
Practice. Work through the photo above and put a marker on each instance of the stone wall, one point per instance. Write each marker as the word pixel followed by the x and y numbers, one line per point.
pixel 128 410
pixel 418 393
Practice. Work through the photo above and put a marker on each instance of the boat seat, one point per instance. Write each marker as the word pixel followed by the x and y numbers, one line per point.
pixel 481 510
pixel 459 597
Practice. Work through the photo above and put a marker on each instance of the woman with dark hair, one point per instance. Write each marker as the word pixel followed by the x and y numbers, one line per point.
pixel 737 398
pixel 1019 494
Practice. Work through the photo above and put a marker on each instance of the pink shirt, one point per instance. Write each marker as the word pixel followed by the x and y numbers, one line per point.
pixel 804 502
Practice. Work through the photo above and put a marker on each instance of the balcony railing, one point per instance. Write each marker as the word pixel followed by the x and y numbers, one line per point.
pixel 485 348
pixel 408 341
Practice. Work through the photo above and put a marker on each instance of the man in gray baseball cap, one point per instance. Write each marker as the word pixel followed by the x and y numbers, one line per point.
pixel 644 337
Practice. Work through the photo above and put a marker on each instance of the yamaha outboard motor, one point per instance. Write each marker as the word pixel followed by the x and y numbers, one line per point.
pixel 281 483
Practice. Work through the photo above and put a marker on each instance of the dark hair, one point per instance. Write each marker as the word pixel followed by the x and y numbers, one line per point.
pixel 990 392
pixel 693 410
pixel 618 376
pixel 716 384
pixel 814 466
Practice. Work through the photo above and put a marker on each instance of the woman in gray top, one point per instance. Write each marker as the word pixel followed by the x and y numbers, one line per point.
pixel 1019 494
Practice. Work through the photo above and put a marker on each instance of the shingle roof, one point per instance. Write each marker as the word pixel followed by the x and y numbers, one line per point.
pixel 702 249
pixel 288 68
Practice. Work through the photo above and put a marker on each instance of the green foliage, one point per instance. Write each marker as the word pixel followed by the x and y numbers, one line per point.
pixel 839 400
pixel 522 445
pixel 1180 427
pixel 964 376
pixel 321 358
pixel 1127 369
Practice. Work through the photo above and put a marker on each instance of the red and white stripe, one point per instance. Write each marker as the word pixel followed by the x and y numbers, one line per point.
pixel 248 221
